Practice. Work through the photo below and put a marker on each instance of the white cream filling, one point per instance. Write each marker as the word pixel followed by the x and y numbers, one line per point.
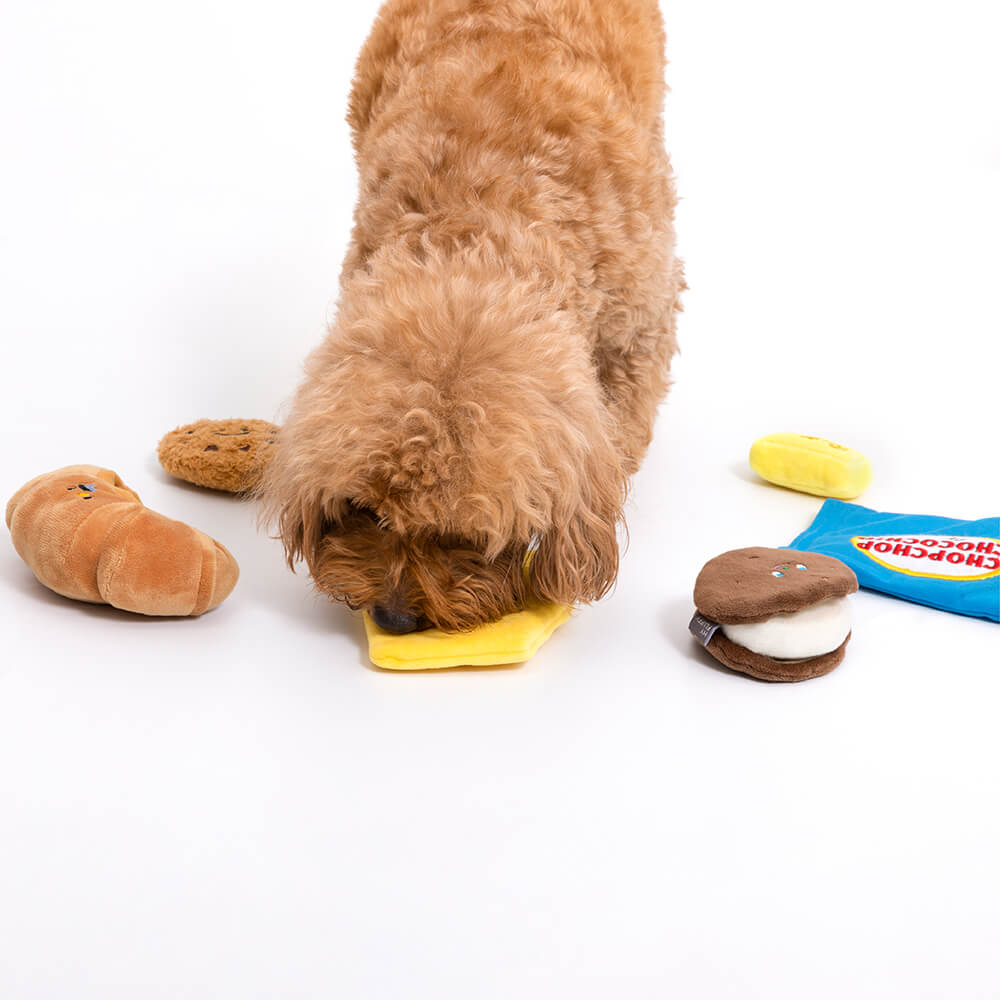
pixel 813 631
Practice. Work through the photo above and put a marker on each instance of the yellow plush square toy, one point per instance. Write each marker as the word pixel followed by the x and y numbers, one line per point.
pixel 513 639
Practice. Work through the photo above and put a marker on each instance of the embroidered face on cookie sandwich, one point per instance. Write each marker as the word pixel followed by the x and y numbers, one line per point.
pixel 776 614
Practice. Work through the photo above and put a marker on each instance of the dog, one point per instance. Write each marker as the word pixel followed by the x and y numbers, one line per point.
pixel 506 317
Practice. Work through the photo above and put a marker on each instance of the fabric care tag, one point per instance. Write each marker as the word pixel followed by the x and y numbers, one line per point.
pixel 703 628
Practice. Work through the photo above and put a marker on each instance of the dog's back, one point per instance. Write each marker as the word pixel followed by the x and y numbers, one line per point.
pixel 620 39
pixel 491 119
pixel 507 310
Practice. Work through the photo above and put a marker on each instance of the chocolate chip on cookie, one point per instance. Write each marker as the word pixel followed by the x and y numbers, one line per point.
pixel 227 455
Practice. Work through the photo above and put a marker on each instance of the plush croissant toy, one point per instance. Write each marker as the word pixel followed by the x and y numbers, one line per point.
pixel 87 536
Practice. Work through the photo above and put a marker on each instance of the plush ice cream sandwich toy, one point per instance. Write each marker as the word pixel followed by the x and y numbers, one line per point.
pixel 86 535
pixel 775 614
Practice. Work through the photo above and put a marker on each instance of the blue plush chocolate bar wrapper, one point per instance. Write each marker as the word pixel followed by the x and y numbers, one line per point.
pixel 938 561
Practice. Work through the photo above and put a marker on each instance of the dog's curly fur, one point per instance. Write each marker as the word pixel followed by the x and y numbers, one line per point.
pixel 507 312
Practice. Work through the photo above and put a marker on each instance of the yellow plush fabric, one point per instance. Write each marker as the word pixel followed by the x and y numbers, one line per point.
pixel 86 535
pixel 513 639
pixel 811 465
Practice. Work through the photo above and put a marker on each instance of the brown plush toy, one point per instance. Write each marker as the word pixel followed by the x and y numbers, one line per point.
pixel 87 536
pixel 775 614
pixel 227 455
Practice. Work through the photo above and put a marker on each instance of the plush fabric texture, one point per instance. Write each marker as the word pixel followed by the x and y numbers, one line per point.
pixel 768 668
pixel 513 639
pixel 86 535
pixel 813 631
pixel 743 586
pixel 942 562
pixel 507 312
pixel 227 455
pixel 811 465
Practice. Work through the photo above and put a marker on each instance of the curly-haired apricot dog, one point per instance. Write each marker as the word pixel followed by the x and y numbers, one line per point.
pixel 506 319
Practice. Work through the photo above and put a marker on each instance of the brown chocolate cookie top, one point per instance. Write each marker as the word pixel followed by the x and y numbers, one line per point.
pixel 745 586
pixel 225 455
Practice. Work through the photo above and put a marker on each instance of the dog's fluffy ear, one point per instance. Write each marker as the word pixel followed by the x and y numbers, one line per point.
pixel 301 504
pixel 292 507
pixel 306 486
pixel 577 557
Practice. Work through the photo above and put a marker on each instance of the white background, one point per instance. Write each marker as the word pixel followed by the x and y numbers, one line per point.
pixel 239 806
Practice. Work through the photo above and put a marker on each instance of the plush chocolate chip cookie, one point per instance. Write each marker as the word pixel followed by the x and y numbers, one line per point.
pixel 227 455
pixel 776 614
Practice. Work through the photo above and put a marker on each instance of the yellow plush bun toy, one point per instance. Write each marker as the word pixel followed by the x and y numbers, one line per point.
pixel 811 465
pixel 87 536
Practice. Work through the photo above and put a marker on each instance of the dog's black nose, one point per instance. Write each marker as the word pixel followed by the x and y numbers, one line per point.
pixel 394 620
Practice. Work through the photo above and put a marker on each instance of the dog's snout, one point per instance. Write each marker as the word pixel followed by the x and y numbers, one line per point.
pixel 397 620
